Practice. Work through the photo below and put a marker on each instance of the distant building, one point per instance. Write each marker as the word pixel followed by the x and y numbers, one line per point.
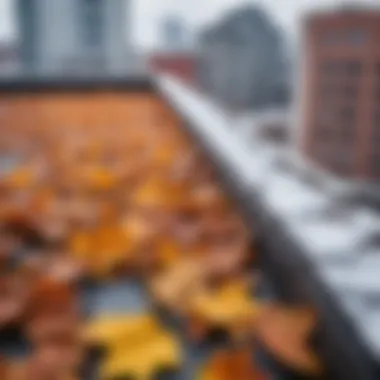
pixel 175 56
pixel 174 34
pixel 73 35
pixel 242 61
pixel 340 125
pixel 9 59
pixel 181 64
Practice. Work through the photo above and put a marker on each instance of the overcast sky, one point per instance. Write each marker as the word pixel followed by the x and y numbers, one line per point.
pixel 147 15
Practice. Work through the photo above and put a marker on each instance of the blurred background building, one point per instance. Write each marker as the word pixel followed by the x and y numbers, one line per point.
pixel 175 34
pixel 242 61
pixel 9 58
pixel 176 54
pixel 341 90
pixel 68 36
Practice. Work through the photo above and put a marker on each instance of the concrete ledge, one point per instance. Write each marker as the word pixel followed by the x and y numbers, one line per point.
pixel 307 231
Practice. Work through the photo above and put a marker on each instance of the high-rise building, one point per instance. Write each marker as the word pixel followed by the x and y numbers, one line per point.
pixel 242 60
pixel 73 35
pixel 340 95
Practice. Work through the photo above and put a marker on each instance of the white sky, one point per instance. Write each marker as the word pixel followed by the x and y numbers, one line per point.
pixel 148 14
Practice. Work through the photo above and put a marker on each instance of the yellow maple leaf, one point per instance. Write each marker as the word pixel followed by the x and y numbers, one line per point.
pixel 143 361
pixel 136 345
pixel 106 331
pixel 230 307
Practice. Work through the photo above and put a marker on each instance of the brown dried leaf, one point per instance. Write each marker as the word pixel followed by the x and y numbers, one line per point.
pixel 284 332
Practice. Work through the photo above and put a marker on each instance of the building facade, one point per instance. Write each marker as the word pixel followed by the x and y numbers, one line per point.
pixel 181 64
pixel 242 61
pixel 174 34
pixel 340 123
pixel 9 59
pixel 68 36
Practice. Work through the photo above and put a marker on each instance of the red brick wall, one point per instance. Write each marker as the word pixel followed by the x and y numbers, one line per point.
pixel 342 62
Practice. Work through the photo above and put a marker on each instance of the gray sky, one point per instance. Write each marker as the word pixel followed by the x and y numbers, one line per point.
pixel 148 14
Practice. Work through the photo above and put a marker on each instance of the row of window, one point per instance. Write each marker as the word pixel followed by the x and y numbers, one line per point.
pixel 350 68
pixel 346 115
pixel 342 132
pixel 344 91
pixel 347 91
pixel 330 113
pixel 355 37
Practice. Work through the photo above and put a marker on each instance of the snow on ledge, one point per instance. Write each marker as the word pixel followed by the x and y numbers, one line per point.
pixel 336 245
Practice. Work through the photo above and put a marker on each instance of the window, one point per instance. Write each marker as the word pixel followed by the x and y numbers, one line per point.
pixel 354 68
pixel 357 37
pixel 327 114
pixel 347 114
pixel 350 92
pixel 332 38
pixel 331 68
pixel 91 21
pixel 322 133
pixel 328 90
pixel 347 132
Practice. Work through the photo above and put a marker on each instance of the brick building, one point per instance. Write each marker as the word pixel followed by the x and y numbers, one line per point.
pixel 341 92
pixel 177 63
